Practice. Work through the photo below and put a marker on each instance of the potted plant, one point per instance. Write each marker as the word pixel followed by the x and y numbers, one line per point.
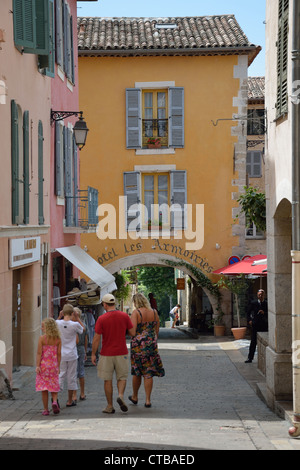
pixel 154 224
pixel 237 285
pixel 217 322
pixel 153 143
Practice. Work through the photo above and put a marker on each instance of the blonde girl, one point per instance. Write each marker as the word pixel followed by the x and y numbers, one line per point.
pixel 47 364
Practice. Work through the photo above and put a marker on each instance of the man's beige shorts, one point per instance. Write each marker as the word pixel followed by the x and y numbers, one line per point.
pixel 108 364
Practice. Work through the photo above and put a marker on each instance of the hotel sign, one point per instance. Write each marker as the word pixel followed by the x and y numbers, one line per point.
pixel 24 251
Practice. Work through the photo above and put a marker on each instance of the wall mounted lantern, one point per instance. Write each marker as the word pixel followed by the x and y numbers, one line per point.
pixel 80 128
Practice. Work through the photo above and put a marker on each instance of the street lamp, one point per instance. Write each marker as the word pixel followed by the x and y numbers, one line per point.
pixel 80 128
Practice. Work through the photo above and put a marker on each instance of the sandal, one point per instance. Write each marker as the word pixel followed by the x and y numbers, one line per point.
pixel 135 402
pixel 72 404
pixel 148 405
pixel 55 408
pixel 122 404
pixel 109 410
pixel 45 413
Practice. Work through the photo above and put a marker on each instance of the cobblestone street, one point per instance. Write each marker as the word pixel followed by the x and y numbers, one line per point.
pixel 203 402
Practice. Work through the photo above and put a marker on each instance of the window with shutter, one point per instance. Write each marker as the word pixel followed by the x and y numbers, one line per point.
pixel 40 173
pixel 132 204
pixel 176 97
pixel 31 26
pixel 47 62
pixel 15 160
pixel 282 58
pixel 253 164
pixel 155 117
pixel 59 159
pixel 133 118
pixel 69 182
pixel 26 185
pixel 178 199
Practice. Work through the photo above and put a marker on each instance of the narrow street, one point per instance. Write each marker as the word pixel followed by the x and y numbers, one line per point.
pixel 203 403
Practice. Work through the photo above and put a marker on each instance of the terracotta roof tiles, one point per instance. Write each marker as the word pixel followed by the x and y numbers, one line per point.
pixel 161 35
pixel 256 88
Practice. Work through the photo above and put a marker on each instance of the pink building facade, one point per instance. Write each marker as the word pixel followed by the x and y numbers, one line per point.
pixel 39 181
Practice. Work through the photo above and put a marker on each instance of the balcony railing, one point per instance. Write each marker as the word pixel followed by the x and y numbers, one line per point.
pixel 155 128
pixel 81 209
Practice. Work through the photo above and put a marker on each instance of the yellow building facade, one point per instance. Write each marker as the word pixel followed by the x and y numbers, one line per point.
pixel 175 203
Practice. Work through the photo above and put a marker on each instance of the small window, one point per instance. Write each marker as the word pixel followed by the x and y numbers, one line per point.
pixel 256 122
pixel 155 117
pixel 155 114
pixel 253 166
pixel 253 232
pixel 155 199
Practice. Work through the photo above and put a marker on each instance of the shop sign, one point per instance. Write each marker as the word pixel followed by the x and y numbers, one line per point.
pixel 180 283
pixel 24 251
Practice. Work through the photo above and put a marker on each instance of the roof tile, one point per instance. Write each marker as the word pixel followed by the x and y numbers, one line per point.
pixel 145 34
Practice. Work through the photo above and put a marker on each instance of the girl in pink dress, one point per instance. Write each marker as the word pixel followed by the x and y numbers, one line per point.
pixel 47 364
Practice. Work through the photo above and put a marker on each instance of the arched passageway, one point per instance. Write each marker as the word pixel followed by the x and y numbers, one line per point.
pixel 195 303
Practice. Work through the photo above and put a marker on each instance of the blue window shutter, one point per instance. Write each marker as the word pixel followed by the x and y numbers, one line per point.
pixel 176 110
pixel 15 160
pixel 132 193
pixel 75 165
pixel 69 193
pixel 178 199
pixel 72 65
pixel 26 165
pixel 58 160
pixel 40 173
pixel 92 206
pixel 133 118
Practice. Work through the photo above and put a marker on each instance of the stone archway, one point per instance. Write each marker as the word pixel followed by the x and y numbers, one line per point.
pixel 156 259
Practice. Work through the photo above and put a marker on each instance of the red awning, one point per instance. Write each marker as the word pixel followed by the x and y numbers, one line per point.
pixel 245 266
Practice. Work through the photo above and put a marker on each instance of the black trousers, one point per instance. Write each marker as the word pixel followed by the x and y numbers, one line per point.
pixel 254 330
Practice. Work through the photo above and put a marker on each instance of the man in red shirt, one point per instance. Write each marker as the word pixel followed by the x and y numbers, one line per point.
pixel 112 326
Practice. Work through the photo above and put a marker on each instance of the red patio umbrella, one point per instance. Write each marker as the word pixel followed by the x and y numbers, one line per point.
pixel 245 266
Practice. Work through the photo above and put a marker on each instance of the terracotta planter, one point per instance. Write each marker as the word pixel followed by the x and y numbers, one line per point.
pixel 219 330
pixel 239 333
pixel 154 146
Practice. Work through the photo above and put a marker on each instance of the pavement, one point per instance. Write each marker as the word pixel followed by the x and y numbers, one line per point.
pixel 206 401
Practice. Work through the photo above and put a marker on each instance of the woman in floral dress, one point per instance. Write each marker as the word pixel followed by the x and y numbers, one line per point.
pixel 145 359
pixel 47 364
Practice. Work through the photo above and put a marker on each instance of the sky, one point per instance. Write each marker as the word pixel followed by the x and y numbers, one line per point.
pixel 249 14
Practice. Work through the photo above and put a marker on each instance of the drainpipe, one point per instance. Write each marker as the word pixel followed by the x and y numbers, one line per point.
pixel 295 430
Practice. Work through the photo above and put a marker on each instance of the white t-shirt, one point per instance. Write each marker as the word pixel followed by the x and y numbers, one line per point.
pixel 68 331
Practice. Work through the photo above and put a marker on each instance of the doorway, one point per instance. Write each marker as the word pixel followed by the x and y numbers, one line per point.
pixel 16 318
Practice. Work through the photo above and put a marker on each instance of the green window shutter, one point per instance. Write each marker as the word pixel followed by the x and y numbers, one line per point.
pixel 59 31
pixel 133 118
pixel 24 23
pixel 31 26
pixel 26 165
pixel 47 62
pixel 40 173
pixel 42 27
pixel 282 57
pixel 15 160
